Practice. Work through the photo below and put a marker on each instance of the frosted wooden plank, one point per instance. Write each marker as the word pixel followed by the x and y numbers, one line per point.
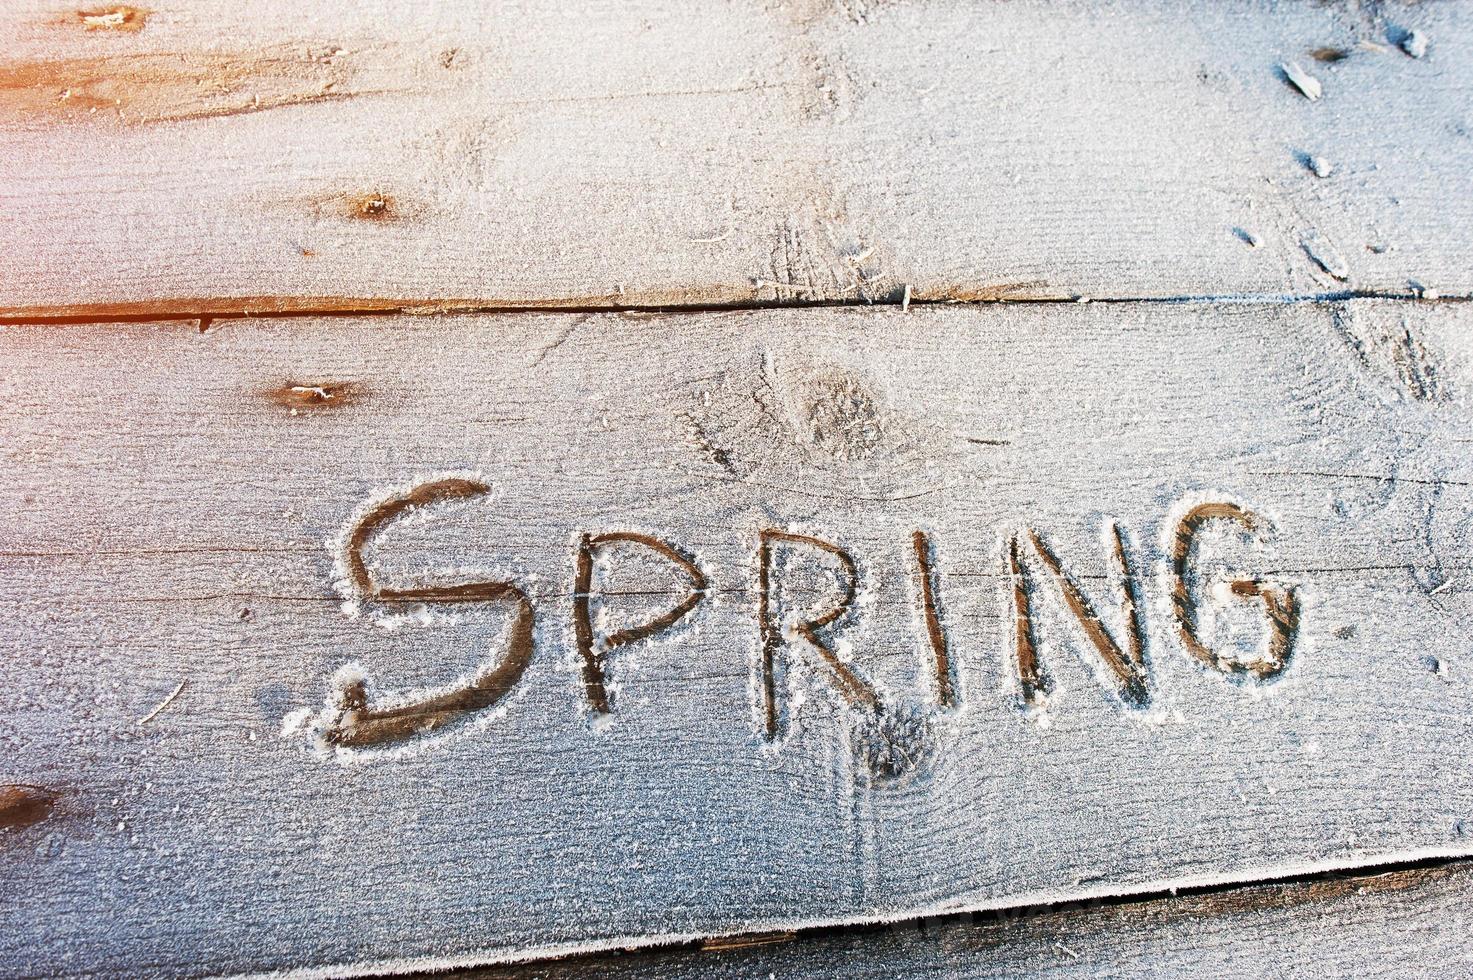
pixel 1403 923
pixel 184 508
pixel 206 156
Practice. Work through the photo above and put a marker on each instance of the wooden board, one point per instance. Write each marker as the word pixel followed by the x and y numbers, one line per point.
pixel 1411 922
pixel 212 791
pixel 207 156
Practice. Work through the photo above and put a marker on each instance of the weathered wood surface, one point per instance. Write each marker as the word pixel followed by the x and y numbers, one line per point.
pixel 209 156
pixel 178 599
pixel 1403 923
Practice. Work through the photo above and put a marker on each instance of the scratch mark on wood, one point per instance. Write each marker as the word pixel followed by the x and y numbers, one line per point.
pixel 423 495
pixel 941 657
pixel 1280 602
pixel 1034 684
pixel 172 695
pixel 592 651
pixel 854 689
pixel 562 339
pixel 1326 255
pixel 707 444
pixel 351 721
pixel 1394 349
pixel 1128 668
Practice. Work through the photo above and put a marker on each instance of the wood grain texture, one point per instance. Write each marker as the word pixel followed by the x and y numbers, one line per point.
pixel 204 156
pixel 180 507
pixel 1412 922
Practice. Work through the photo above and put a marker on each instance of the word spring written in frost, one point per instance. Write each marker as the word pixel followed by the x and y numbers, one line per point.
pixel 352 720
